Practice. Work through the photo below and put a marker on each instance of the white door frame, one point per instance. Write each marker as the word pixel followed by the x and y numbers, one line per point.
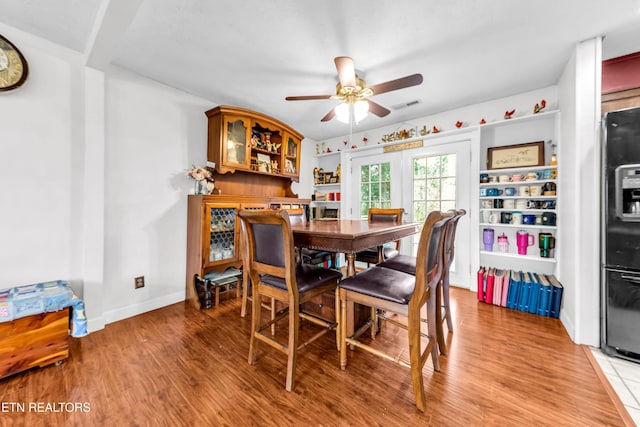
pixel 461 145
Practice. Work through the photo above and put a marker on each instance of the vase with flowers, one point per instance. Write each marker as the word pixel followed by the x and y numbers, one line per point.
pixel 204 182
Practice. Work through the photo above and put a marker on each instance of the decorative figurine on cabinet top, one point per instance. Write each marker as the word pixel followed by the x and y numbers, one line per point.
pixel 508 114
pixel 539 107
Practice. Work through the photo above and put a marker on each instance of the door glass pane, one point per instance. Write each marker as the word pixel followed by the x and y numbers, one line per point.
pixel 364 174
pixel 419 190
pixel 236 142
pixel 434 187
pixel 385 169
pixel 420 168
pixel 221 233
pixel 374 173
pixel 375 187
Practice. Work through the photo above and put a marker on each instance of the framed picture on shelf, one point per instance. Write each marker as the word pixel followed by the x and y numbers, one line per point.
pixel 327 177
pixel 516 156
pixel 333 180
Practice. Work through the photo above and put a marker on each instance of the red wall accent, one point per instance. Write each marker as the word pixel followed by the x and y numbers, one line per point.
pixel 621 73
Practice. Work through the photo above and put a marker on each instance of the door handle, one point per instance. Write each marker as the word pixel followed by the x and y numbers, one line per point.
pixel 634 279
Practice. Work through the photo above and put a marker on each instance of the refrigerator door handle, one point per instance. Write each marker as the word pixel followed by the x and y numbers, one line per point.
pixel 628 278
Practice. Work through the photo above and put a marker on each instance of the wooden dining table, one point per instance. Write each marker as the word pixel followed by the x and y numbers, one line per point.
pixel 350 236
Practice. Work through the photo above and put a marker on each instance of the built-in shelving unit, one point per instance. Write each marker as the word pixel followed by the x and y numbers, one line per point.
pixel 496 208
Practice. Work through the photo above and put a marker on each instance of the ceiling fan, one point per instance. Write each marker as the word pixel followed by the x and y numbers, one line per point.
pixel 354 93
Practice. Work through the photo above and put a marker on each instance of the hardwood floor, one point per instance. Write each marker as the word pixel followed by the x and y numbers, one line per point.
pixel 180 366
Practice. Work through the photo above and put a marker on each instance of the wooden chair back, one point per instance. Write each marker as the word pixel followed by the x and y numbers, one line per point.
pixel 270 248
pixel 297 216
pixel 386 215
pixel 443 299
pixel 429 260
pixel 449 244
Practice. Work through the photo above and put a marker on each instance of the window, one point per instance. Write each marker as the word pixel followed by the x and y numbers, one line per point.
pixel 434 186
pixel 375 187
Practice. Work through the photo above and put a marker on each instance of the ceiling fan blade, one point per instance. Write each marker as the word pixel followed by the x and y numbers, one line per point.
pixel 330 115
pixel 401 83
pixel 346 71
pixel 308 97
pixel 377 109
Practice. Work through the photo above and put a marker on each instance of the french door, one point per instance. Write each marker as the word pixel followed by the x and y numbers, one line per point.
pixel 420 180
pixel 437 178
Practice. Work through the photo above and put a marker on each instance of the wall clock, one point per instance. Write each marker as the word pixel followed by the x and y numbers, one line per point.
pixel 13 67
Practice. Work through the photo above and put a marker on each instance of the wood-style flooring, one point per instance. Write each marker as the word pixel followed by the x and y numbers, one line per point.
pixel 181 367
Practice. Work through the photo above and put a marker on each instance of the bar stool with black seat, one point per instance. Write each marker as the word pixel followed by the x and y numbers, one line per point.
pixel 309 256
pixel 275 274
pixel 406 295
pixel 407 264
pixel 381 253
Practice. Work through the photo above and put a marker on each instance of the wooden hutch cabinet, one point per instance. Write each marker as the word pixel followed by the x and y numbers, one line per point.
pixel 245 140
pixel 256 159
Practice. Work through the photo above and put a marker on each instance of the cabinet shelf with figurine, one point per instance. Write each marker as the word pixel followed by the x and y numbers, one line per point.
pixel 518 194
pixel 327 177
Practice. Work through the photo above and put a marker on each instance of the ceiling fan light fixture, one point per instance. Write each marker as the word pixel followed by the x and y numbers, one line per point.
pixel 358 110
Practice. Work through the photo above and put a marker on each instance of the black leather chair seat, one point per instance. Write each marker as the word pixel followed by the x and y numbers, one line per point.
pixel 307 277
pixel 371 255
pixel 383 283
pixel 314 257
pixel 404 263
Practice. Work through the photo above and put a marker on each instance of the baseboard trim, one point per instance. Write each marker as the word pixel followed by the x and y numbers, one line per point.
pixel 136 309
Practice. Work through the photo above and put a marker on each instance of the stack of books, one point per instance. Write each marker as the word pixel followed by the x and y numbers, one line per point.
pixel 523 291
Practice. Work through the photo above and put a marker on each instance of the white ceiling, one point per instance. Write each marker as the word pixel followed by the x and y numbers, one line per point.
pixel 254 53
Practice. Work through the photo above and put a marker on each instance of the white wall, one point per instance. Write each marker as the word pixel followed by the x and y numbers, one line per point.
pixel 580 159
pixel 153 134
pixel 570 195
pixel 39 135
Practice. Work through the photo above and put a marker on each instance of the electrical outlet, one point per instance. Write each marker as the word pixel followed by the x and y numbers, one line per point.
pixel 139 282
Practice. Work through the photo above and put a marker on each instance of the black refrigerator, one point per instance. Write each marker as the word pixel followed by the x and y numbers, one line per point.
pixel 621 235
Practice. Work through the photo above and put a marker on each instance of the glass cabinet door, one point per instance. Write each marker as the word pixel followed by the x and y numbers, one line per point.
pixel 221 239
pixel 235 142
pixel 290 155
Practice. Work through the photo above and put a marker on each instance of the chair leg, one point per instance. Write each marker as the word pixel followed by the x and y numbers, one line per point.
pixel 245 293
pixel 413 328
pixel 256 306
pixel 292 350
pixel 273 316
pixel 432 322
pixel 446 302
pixel 338 319
pixel 374 322
pixel 343 329
pixel 442 345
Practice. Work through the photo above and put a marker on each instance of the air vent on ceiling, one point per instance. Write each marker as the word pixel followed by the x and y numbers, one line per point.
pixel 405 104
